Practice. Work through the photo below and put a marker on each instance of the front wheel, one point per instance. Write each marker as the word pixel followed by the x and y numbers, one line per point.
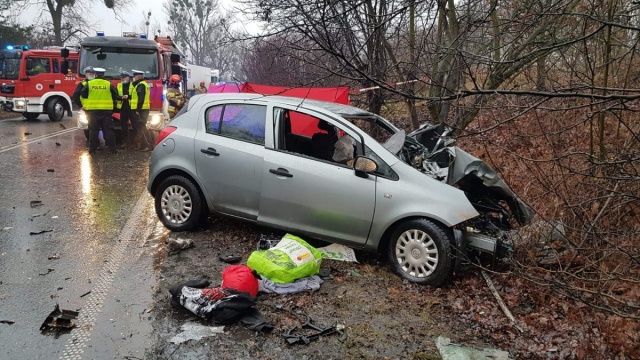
pixel 420 251
pixel 179 204
pixel 55 109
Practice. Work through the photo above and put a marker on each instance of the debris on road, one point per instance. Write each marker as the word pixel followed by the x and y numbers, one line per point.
pixel 193 331
pixel 6 228
pixel 311 283
pixel 85 294
pixel 309 331
pixel 53 257
pixel 50 170
pixel 175 245
pixel 35 203
pixel 27 133
pixel 59 319
pixel 49 270
pixel 267 242
pixel 39 232
pixel 8 322
pixel 229 259
pixel 450 351
pixel 503 306
pixel 338 252
pixel 291 259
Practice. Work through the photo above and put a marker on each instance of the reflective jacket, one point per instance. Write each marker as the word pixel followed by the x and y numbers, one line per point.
pixel 135 96
pixel 120 88
pixel 99 96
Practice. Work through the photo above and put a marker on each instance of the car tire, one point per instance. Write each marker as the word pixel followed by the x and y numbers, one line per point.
pixel 55 109
pixel 31 116
pixel 420 251
pixel 179 204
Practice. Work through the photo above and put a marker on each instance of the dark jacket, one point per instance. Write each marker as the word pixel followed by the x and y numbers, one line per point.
pixel 76 93
pixel 125 91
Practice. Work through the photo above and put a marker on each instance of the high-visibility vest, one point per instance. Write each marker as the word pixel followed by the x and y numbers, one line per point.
pixel 134 96
pixel 100 97
pixel 121 93
pixel 82 100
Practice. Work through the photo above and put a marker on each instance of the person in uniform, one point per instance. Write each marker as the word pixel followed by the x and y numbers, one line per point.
pixel 140 105
pixel 90 75
pixel 124 92
pixel 202 89
pixel 175 97
pixel 99 101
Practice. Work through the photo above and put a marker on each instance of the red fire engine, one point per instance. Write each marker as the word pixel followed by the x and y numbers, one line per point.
pixel 125 53
pixel 32 82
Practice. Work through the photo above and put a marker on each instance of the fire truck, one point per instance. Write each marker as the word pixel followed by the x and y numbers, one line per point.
pixel 125 53
pixel 32 82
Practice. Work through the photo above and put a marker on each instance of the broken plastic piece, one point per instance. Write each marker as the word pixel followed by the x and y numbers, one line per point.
pixel 193 331
pixel 59 319
pixel 8 322
pixel 35 203
pixel 229 259
pixel 39 232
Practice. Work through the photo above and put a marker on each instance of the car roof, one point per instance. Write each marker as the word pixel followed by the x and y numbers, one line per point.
pixel 340 109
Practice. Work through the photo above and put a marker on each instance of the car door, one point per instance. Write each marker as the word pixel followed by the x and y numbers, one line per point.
pixel 317 197
pixel 229 149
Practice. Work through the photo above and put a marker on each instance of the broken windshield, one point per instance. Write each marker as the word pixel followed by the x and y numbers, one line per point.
pixel 9 68
pixel 115 60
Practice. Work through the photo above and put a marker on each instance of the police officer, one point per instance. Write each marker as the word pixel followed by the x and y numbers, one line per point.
pixel 99 101
pixel 124 92
pixel 90 75
pixel 140 105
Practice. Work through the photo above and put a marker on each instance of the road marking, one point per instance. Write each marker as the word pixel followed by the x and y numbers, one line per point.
pixel 12 119
pixel 37 138
pixel 136 225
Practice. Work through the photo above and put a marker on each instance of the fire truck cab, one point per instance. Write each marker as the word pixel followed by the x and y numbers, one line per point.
pixel 124 53
pixel 32 82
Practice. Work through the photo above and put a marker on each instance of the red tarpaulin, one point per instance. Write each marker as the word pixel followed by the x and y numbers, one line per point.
pixel 339 94
pixel 301 124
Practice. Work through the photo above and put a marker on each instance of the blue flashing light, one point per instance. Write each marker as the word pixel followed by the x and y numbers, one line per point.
pixel 9 47
pixel 100 33
pixel 25 47
pixel 143 36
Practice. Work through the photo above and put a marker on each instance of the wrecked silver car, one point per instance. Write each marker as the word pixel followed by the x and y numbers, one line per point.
pixel 336 173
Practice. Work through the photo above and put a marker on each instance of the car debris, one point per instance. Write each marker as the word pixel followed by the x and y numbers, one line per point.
pixel 39 232
pixel 59 319
pixel 450 351
pixel 51 170
pixel 338 252
pixel 8 322
pixel 176 245
pixel 49 270
pixel 53 257
pixel 194 331
pixel 85 294
pixel 35 203
pixel 6 228
pixel 229 259
pixel 309 331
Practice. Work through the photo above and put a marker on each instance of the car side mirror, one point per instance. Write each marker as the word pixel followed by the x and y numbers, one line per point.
pixel 363 166
pixel 64 53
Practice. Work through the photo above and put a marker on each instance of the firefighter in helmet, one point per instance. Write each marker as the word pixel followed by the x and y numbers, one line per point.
pixel 202 89
pixel 175 97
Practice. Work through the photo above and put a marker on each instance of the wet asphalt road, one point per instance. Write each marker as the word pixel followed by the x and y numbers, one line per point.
pixel 74 230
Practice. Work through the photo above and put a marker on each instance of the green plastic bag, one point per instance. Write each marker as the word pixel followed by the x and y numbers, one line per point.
pixel 292 258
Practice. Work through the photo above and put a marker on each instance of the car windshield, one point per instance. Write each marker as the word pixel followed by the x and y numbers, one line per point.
pixel 9 68
pixel 116 60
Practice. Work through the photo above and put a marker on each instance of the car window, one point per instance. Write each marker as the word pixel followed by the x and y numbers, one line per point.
pixel 37 66
pixel 239 121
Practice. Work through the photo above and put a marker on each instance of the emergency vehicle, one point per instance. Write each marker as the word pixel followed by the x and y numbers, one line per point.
pixel 117 54
pixel 33 82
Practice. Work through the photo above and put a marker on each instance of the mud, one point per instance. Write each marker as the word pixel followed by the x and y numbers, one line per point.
pixel 385 317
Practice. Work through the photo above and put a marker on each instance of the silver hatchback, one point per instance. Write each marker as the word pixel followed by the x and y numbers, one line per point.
pixel 336 173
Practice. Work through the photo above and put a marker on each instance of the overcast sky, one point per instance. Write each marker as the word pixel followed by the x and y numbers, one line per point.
pixel 103 19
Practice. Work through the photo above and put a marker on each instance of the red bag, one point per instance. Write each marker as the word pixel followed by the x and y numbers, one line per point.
pixel 241 278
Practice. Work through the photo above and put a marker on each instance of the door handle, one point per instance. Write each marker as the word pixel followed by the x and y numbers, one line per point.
pixel 281 172
pixel 210 151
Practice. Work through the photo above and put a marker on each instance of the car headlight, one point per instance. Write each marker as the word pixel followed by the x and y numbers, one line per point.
pixel 155 120
pixel 20 103
pixel 82 119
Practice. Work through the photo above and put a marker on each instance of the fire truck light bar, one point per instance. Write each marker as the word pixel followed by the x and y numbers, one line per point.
pixel 100 33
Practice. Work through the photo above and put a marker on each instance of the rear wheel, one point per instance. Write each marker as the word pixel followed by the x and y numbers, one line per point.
pixel 179 204
pixel 55 109
pixel 420 251
pixel 31 116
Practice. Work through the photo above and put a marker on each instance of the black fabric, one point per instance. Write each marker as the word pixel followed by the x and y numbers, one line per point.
pixel 101 119
pixel 76 94
pixel 141 134
pixel 217 305
pixel 323 145
pixel 254 320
